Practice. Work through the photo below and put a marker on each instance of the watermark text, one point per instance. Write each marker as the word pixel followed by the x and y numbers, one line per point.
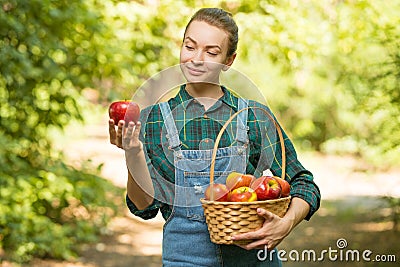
pixel 339 253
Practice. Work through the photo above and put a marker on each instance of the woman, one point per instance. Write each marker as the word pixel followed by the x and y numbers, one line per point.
pixel 167 167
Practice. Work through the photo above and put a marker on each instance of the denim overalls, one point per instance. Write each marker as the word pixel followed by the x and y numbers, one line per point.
pixel 186 240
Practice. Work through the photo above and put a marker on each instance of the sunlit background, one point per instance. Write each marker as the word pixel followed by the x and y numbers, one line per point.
pixel 329 69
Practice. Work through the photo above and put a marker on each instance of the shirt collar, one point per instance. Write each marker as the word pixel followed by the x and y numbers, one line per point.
pixel 185 99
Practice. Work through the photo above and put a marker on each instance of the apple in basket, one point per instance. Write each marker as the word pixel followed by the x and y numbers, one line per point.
pixel 242 194
pixel 236 180
pixel 266 187
pixel 217 192
pixel 285 186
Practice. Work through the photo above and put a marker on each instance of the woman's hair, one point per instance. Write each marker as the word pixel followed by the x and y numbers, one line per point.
pixel 221 19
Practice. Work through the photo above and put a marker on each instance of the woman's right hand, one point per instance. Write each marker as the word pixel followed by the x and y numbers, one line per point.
pixel 126 138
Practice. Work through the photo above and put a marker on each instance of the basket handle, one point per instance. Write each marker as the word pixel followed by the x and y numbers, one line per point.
pixel 214 154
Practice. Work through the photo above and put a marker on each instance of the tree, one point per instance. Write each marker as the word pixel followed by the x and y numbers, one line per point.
pixel 47 54
pixel 331 71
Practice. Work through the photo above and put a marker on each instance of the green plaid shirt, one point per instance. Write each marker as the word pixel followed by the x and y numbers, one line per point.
pixel 198 128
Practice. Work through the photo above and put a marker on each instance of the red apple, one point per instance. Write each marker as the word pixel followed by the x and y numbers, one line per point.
pixel 266 187
pixel 284 185
pixel 124 110
pixel 242 194
pixel 217 192
pixel 236 180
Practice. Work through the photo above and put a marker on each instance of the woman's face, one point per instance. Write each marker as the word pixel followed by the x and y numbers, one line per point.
pixel 203 53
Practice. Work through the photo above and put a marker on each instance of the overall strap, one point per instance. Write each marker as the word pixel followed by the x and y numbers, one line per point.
pixel 242 128
pixel 172 132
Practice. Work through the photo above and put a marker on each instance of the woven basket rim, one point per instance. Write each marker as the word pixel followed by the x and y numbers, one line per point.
pixel 210 202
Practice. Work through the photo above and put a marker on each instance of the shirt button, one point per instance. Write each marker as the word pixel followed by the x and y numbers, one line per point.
pixel 205 116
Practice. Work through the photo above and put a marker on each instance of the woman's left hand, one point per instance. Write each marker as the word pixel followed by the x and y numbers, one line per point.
pixel 273 231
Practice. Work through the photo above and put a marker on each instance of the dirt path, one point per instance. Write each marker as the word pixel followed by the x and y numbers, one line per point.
pixel 134 242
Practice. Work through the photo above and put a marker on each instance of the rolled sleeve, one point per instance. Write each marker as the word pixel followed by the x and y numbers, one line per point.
pixel 149 213
pixel 303 186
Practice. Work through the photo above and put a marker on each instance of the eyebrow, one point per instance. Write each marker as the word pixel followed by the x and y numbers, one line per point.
pixel 208 46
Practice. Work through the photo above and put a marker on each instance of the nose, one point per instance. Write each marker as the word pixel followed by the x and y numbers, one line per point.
pixel 198 58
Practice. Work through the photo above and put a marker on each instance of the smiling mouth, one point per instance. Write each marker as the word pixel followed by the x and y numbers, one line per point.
pixel 195 72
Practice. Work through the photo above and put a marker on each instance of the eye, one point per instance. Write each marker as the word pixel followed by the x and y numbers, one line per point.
pixel 212 53
pixel 190 48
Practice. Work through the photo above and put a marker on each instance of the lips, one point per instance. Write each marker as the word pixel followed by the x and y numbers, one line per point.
pixel 195 71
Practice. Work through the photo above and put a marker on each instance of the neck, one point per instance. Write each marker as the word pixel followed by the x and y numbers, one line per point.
pixel 206 90
pixel 207 94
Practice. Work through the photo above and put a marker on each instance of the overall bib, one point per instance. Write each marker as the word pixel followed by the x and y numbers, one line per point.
pixel 186 240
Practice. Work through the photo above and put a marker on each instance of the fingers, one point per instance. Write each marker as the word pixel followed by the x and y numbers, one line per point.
pixel 258 241
pixel 131 137
pixel 249 235
pixel 112 132
pixel 118 140
pixel 137 131
pixel 263 236
pixel 268 216
pixel 260 244
pixel 126 140
pixel 257 244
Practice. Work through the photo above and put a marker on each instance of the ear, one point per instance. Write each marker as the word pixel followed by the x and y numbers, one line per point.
pixel 228 62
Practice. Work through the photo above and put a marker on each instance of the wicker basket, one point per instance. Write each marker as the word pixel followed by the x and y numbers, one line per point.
pixel 225 219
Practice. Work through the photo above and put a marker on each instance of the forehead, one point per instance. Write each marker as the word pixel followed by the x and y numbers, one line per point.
pixel 206 34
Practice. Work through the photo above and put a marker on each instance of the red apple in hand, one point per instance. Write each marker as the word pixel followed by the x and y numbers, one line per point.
pixel 284 185
pixel 242 194
pixel 217 192
pixel 266 187
pixel 124 110
pixel 236 180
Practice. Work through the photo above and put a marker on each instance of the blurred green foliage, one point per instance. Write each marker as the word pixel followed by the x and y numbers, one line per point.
pixel 47 54
pixel 330 70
